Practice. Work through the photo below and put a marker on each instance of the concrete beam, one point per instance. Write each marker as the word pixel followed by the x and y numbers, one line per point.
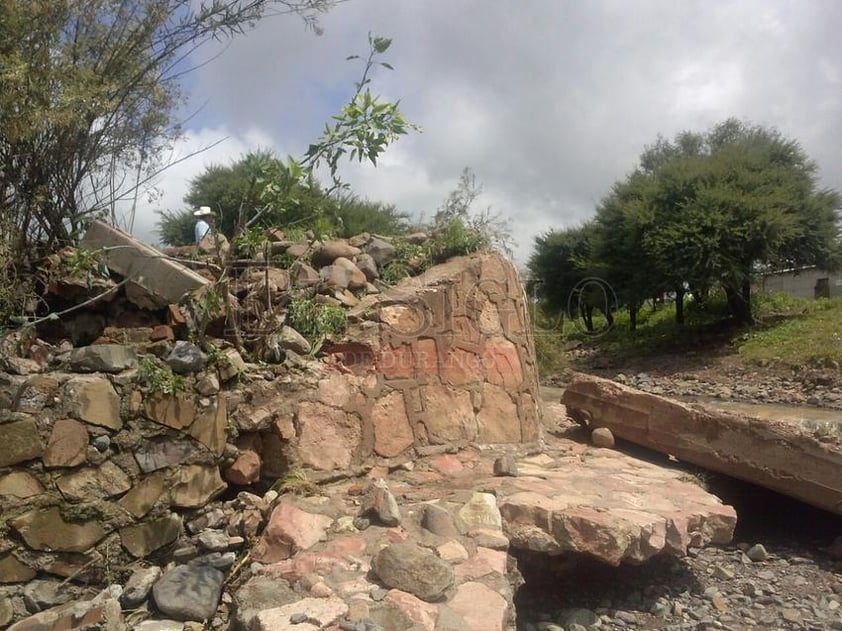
pixel 775 454
pixel 163 278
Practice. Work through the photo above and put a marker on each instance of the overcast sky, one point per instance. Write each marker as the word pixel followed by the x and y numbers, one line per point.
pixel 548 101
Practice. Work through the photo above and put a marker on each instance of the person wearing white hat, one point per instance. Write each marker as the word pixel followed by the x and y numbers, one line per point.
pixel 205 220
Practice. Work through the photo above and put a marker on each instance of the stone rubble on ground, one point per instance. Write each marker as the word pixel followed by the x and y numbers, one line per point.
pixel 444 565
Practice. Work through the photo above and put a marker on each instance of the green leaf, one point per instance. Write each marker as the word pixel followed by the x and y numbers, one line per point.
pixel 381 44
pixel 385 65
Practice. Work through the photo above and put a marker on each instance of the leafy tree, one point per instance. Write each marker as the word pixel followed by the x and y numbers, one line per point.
pixel 618 246
pixel 89 91
pixel 261 190
pixel 746 197
pixel 237 190
pixel 569 276
pixel 355 215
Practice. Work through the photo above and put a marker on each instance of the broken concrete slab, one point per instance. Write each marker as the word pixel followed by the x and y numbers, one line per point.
pixel 162 277
pixel 774 454
pixel 614 508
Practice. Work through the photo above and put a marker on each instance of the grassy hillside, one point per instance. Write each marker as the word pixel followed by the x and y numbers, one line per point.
pixel 789 332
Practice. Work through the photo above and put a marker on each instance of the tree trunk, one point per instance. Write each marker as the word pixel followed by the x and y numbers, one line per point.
pixel 633 316
pixel 679 306
pixel 739 302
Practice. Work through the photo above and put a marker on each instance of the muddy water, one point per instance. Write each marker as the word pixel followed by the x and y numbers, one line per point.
pixel 807 415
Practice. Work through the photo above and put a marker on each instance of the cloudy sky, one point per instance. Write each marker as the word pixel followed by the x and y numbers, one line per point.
pixel 548 101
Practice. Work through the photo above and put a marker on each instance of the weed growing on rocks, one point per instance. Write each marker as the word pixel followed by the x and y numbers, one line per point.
pixel 158 378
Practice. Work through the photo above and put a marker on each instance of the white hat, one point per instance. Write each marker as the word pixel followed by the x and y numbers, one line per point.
pixel 204 211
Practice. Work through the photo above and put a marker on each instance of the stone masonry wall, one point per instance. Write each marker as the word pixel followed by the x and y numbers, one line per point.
pixel 95 466
pixel 90 468
pixel 442 360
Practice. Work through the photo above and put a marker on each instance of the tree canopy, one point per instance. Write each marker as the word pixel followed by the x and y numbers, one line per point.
pixel 239 189
pixel 90 88
pixel 708 210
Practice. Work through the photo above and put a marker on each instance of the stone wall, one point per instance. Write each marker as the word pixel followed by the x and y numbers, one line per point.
pixel 96 467
pixel 90 467
pixel 440 361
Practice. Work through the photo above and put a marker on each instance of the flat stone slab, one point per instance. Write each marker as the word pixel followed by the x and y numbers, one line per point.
pixel 609 506
pixel 778 455
pixel 569 498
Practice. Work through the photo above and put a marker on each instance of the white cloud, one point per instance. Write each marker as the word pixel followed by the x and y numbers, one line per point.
pixel 549 102
pixel 189 157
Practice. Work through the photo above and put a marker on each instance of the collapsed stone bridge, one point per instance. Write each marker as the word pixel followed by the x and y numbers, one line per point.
pixel 102 474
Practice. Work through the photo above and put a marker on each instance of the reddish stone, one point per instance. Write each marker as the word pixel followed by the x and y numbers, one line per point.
pixel 460 367
pixel 501 363
pixel 482 608
pixel 392 432
pixel 424 615
pixel 245 469
pixel 427 357
pixel 68 444
pixel 174 316
pixel 289 530
pixel 397 362
pixel 498 419
pixel 446 463
pixel 448 414
pixel 328 437
pixel 162 332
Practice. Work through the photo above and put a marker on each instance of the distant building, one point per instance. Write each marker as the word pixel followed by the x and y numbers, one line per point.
pixel 803 282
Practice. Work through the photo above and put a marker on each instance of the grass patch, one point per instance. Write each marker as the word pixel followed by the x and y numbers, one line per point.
pixel 789 332
pixel 796 333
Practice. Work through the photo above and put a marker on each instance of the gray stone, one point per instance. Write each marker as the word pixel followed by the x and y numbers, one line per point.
pixel 189 592
pixel 379 502
pixel 219 560
pixel 139 585
pixel 367 265
pixel 160 276
pixel 439 521
pixel 144 538
pixel 186 358
pixel 213 540
pixel 414 569
pixel 102 443
pixel 112 358
pixel 158 455
pixel 381 251
pixel 757 553
pixel 583 617
pixel 20 442
pixel 505 466
pixel 291 340
pixel 40 595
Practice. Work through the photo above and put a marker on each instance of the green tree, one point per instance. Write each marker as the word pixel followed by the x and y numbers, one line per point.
pixel 618 248
pixel 89 92
pixel 569 277
pixel 261 190
pixel 356 215
pixel 746 197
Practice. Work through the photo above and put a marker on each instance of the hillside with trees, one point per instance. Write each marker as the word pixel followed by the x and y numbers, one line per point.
pixel 700 213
